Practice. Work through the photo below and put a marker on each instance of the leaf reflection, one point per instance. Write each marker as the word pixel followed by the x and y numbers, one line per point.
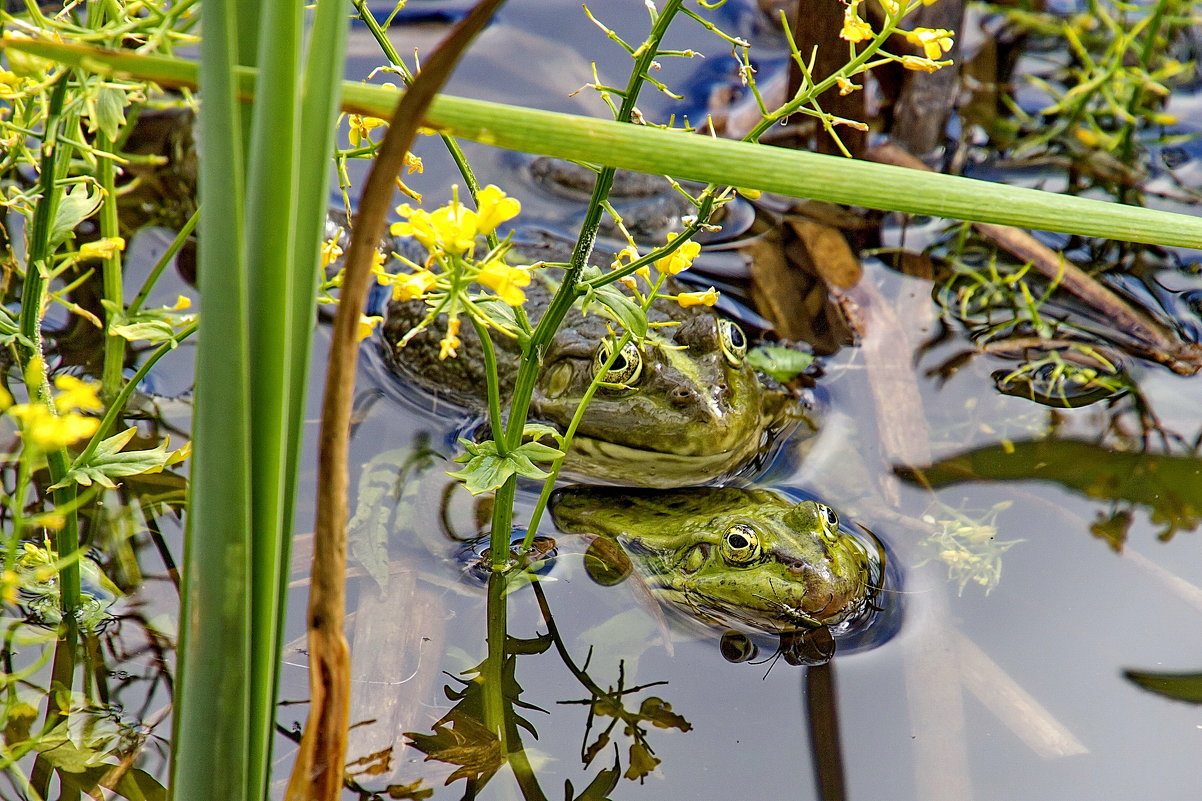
pixel 1168 487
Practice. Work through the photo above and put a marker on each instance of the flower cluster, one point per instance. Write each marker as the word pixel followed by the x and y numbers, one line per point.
pixel 934 42
pixel 49 428
pixel 450 235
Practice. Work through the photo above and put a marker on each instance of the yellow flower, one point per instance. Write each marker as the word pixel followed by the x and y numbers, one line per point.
pixel 707 298
pixel 361 128
pixel 449 229
pixel 10 584
pixel 920 64
pixel 6 399
pixel 367 325
pixel 505 281
pixel 75 394
pixel 102 248
pixel 890 6
pixel 846 87
pixel 448 344
pixel 933 41
pixel 413 164
pixel 413 286
pixel 330 251
pixel 493 208
pixel 182 303
pixel 680 259
pixel 854 28
pixel 44 429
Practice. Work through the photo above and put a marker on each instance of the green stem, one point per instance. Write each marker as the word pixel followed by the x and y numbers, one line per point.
pixel 114 345
pixel 495 419
pixel 492 671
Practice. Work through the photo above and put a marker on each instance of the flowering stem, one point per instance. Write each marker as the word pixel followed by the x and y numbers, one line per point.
pixel 568 291
pixel 457 154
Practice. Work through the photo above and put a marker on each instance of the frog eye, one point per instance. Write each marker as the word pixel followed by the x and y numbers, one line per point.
pixel 733 342
pixel 740 545
pixel 832 518
pixel 626 368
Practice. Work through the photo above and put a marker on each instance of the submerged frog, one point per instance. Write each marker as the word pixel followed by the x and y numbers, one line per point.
pixel 734 558
pixel 696 411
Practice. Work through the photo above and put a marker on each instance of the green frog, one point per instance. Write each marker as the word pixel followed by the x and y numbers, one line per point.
pixel 696 412
pixel 747 559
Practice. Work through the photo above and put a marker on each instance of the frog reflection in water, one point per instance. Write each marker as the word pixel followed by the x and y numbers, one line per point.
pixel 733 558
pixel 694 412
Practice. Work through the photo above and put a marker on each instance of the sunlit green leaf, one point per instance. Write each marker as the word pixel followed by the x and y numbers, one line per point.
pixel 78 204
pixel 109 462
pixel 624 309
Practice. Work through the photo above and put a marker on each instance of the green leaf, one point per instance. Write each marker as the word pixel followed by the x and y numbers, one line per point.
pixel 109 462
pixel 1178 686
pixel 148 325
pixel 484 473
pixel 628 313
pixel 537 431
pixel 78 204
pixel 106 110
pixel 783 364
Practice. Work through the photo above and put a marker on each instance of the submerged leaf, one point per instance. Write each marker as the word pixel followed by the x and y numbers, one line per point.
pixel 1169 487
pixel 1178 686
pixel 783 364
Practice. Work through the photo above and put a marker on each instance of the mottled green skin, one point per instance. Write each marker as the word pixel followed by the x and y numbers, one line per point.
pixel 692 417
pixel 803 573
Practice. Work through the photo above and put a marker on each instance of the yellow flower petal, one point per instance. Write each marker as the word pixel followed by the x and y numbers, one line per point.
pixel 493 208
pixel 102 248
pixel 448 344
pixel 367 325
pixel 76 394
pixel 854 28
pixel 707 298
pixel 680 259
pixel 413 286
pixel 505 281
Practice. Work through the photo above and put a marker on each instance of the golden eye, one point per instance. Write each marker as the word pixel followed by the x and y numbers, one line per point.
pixel 740 545
pixel 733 342
pixel 626 368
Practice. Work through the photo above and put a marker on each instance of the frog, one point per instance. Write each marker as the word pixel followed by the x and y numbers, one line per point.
pixel 691 411
pixel 751 560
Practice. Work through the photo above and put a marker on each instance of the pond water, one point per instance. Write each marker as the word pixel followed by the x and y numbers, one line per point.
pixel 1010 686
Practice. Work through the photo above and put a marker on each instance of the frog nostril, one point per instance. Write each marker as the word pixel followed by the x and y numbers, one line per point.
pixel 681 395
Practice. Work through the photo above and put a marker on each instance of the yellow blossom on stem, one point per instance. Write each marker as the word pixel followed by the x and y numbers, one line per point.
pixel 361 128
pixel 921 64
pixel 680 259
pixel 448 344
pixel 102 248
pixel 413 164
pixel 76 394
pixel 854 28
pixel 933 41
pixel 367 325
pixel 47 431
pixel 413 286
pixel 6 399
pixel 505 280
pixel 494 207
pixel 449 229
pixel 330 251
pixel 846 87
pixel 182 303
pixel 707 298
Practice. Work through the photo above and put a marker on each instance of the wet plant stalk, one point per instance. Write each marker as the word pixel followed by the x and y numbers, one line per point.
pixel 568 290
